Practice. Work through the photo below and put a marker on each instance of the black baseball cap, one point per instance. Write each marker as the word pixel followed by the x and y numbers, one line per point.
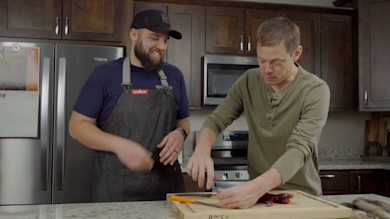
pixel 154 20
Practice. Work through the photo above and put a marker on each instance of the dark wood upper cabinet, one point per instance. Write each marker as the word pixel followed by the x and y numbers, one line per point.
pixel 100 20
pixel 31 19
pixel 225 30
pixel 253 19
pixel 187 53
pixel 374 63
pixel 337 63
pixel 233 31
pixel 309 26
pixel 94 20
pixel 141 6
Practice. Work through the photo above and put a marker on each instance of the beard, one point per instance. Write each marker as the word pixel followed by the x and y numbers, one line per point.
pixel 146 61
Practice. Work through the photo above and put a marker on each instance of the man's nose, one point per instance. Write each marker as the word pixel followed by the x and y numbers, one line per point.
pixel 162 44
pixel 267 67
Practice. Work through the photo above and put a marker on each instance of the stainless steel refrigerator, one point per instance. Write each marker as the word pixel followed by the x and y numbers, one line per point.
pixel 39 84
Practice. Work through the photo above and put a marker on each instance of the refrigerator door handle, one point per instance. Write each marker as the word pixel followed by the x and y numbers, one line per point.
pixel 60 124
pixel 44 123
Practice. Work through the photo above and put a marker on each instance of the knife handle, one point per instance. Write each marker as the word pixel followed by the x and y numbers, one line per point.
pixel 182 199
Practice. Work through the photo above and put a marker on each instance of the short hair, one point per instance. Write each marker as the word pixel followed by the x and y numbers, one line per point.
pixel 276 30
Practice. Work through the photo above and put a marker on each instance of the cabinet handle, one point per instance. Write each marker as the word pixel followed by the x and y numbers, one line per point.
pixel 249 43
pixel 66 25
pixel 242 43
pixel 359 183
pixel 57 28
pixel 328 176
pixel 365 98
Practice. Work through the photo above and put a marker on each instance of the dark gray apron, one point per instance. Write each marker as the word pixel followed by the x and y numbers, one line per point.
pixel 145 119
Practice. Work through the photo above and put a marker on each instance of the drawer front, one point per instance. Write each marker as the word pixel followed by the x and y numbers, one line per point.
pixel 334 182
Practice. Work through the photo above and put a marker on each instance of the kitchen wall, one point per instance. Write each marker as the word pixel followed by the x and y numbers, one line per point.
pixel 342 136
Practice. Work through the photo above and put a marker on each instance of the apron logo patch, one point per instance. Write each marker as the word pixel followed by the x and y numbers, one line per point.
pixel 140 91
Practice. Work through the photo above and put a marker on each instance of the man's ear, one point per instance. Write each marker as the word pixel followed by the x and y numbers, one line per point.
pixel 133 34
pixel 297 53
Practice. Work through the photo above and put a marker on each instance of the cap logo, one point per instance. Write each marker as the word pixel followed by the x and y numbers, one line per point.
pixel 164 18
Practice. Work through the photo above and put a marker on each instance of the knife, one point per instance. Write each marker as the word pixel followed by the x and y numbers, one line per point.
pixel 193 201
pixel 197 194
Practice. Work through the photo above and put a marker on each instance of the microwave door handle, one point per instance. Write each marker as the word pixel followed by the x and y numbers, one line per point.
pixel 249 43
pixel 45 117
pixel 60 124
pixel 242 43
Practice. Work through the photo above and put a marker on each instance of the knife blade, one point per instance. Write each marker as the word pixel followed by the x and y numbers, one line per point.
pixel 197 194
pixel 193 201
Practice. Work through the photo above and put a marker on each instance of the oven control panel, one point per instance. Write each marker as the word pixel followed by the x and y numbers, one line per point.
pixel 230 140
pixel 235 136
pixel 231 175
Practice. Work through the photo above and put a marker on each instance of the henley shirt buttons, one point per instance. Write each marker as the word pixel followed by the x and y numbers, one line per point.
pixel 268 121
pixel 268 125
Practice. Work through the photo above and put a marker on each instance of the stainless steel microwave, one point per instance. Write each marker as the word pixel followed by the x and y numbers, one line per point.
pixel 219 74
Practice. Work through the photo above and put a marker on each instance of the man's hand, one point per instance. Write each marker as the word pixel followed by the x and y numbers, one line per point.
pixel 246 194
pixel 242 196
pixel 197 167
pixel 134 156
pixel 171 146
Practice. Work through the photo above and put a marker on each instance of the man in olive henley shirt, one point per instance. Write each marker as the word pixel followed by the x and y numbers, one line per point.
pixel 286 108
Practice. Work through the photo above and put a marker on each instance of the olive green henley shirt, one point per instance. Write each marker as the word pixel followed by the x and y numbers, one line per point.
pixel 284 127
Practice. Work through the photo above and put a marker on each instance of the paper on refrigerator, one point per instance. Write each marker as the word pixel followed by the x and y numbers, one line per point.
pixel 19 91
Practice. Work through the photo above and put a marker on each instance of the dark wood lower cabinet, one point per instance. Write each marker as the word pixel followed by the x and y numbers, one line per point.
pixel 365 181
pixel 336 182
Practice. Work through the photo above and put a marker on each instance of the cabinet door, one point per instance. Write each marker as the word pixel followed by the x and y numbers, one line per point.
pixel 364 181
pixel 334 182
pixel 187 53
pixel 386 183
pixel 140 6
pixel 253 19
pixel 98 20
pixel 224 30
pixel 32 19
pixel 309 26
pixel 337 67
pixel 374 47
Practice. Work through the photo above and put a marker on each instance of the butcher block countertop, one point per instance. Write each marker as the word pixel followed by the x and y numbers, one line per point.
pixel 141 209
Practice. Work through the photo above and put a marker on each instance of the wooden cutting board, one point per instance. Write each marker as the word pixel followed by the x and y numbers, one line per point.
pixel 302 205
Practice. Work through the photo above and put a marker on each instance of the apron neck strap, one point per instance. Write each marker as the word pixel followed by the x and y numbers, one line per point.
pixel 163 78
pixel 126 76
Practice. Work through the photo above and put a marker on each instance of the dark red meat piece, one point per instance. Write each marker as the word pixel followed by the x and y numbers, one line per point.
pixel 270 199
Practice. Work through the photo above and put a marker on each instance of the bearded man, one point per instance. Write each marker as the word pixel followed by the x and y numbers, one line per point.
pixel 134 113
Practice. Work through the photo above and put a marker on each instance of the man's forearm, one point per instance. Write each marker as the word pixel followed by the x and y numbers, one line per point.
pixel 205 140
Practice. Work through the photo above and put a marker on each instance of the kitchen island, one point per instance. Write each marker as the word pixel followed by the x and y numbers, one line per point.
pixel 140 209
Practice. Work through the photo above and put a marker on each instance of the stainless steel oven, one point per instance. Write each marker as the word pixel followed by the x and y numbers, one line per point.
pixel 219 74
pixel 229 155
